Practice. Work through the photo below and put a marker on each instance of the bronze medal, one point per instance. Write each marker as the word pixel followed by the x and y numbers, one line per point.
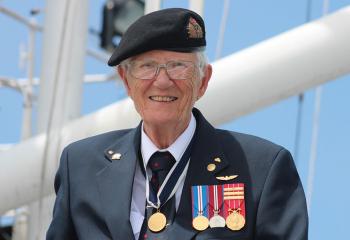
pixel 200 223
pixel 235 221
pixel 157 222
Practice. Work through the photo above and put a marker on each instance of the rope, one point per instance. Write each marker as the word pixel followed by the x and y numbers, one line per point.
pixel 315 133
pixel 223 24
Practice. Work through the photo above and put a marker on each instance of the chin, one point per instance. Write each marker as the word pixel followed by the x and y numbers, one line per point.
pixel 160 117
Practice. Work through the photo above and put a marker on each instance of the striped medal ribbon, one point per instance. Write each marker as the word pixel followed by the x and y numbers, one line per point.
pixel 234 206
pixel 215 206
pixel 200 220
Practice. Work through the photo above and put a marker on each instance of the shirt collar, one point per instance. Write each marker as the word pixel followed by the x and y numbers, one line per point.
pixel 177 148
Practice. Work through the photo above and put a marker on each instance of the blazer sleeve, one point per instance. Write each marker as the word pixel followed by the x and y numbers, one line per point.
pixel 282 212
pixel 61 226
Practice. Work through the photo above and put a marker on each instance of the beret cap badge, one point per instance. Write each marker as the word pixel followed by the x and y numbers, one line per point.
pixel 194 29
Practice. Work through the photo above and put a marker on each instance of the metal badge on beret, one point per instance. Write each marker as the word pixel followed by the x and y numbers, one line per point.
pixel 194 29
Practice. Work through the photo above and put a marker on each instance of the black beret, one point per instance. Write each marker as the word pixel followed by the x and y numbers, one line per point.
pixel 173 29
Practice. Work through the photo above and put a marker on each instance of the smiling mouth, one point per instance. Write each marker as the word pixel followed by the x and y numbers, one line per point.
pixel 162 98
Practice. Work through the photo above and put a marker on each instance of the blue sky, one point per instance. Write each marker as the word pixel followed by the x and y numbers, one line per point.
pixel 249 22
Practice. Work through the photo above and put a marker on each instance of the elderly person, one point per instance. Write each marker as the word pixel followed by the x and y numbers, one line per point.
pixel 174 176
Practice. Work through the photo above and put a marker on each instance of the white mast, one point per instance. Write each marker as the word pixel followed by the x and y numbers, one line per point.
pixel 62 71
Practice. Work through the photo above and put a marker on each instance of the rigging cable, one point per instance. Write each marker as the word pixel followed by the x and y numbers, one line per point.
pixel 300 101
pixel 223 24
pixel 315 133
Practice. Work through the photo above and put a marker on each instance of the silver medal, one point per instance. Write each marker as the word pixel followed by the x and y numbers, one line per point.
pixel 217 221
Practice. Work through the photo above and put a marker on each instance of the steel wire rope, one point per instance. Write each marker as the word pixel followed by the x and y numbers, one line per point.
pixel 300 100
pixel 315 132
pixel 223 24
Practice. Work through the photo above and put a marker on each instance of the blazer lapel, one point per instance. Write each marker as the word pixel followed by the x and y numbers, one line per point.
pixel 115 183
pixel 205 150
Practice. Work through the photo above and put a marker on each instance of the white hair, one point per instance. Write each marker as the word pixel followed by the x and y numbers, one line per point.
pixel 202 62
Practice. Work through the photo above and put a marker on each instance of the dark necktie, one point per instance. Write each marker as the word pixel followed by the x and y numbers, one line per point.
pixel 160 164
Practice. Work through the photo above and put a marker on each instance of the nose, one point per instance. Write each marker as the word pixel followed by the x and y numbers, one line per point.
pixel 162 79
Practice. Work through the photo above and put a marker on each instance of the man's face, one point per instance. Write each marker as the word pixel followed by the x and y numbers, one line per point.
pixel 162 100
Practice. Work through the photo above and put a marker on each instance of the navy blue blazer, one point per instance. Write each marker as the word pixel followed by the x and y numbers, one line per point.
pixel 94 192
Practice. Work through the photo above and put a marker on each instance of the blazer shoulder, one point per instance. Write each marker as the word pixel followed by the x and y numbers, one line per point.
pixel 249 141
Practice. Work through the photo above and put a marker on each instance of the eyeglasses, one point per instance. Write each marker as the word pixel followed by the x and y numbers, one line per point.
pixel 147 70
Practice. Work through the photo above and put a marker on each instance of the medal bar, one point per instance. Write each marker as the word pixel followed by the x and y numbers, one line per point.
pixel 200 220
pixel 234 206
pixel 215 205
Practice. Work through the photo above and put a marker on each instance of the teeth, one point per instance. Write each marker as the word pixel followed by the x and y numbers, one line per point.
pixel 163 98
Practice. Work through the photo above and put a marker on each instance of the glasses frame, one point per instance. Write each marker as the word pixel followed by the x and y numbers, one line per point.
pixel 165 66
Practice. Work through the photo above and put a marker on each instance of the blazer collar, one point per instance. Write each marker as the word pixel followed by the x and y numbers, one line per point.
pixel 115 183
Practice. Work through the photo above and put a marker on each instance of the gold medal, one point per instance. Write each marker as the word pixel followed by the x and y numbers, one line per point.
pixel 157 222
pixel 200 223
pixel 235 221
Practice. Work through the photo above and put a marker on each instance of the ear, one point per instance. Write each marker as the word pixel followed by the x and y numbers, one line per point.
pixel 122 74
pixel 205 80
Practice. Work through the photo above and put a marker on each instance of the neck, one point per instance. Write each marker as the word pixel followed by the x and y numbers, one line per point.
pixel 163 135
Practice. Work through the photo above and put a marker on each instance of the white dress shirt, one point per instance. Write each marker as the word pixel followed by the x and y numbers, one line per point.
pixel 177 149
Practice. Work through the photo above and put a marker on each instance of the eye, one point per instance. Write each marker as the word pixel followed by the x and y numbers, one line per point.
pixel 147 65
pixel 177 65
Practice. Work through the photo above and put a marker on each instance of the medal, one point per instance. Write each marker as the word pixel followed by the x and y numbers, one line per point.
pixel 234 206
pixel 235 221
pixel 200 223
pixel 156 222
pixel 200 220
pixel 215 204
pixel 217 221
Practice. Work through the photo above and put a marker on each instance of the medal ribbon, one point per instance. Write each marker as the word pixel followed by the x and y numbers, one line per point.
pixel 215 199
pixel 199 201
pixel 233 195
pixel 171 182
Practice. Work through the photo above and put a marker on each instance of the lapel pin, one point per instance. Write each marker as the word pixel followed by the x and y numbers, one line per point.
pixel 116 156
pixel 217 159
pixel 226 178
pixel 211 167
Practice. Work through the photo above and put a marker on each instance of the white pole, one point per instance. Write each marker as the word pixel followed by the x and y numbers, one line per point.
pixel 64 48
pixel 197 6
pixel 152 5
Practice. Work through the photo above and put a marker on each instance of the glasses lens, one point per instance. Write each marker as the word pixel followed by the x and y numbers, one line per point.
pixel 180 69
pixel 143 69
